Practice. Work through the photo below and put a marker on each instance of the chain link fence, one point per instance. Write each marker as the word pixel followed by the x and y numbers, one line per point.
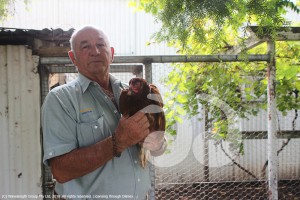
pixel 197 167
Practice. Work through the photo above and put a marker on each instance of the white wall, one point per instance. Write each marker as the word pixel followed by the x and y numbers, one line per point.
pixel 129 31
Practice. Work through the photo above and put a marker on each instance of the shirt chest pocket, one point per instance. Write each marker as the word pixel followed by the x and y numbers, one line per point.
pixel 89 133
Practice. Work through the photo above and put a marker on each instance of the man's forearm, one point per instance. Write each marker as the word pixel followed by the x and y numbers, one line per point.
pixel 80 162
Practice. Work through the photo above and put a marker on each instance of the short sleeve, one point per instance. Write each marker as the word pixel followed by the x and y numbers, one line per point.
pixel 59 125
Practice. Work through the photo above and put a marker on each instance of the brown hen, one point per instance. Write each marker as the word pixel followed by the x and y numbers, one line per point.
pixel 145 97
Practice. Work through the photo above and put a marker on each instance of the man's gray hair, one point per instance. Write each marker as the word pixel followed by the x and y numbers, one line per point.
pixel 74 34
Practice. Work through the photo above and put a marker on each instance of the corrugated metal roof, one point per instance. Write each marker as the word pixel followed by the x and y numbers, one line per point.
pixel 13 36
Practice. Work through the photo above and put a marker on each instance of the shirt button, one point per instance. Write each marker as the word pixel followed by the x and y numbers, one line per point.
pixel 95 126
pixel 135 161
pixel 115 111
pixel 50 154
pixel 139 179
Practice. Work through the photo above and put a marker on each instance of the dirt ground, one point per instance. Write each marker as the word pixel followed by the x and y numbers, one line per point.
pixel 287 190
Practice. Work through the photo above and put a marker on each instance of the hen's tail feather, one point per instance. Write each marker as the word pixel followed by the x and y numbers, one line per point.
pixel 143 157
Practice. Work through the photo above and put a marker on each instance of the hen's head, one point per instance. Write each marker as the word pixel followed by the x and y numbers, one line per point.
pixel 138 86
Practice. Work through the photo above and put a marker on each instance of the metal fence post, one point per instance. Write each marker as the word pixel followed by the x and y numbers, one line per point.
pixel 148 77
pixel 148 72
pixel 272 125
pixel 206 146
pixel 48 183
pixel 152 177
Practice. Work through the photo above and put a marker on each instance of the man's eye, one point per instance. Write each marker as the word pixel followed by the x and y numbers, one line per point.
pixel 85 47
pixel 100 45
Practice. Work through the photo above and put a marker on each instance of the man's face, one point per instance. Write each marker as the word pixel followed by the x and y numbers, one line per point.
pixel 92 54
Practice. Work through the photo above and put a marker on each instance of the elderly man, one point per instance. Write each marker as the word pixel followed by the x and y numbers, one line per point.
pixel 91 149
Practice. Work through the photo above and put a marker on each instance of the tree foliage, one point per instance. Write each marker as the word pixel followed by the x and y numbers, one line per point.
pixel 242 86
pixel 214 26
pixel 7 8
pixel 207 21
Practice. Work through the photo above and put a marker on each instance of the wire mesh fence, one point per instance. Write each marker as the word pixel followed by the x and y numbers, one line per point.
pixel 225 177
pixel 199 167
pixel 195 165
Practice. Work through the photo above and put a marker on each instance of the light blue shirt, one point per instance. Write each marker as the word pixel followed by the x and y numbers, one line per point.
pixel 79 114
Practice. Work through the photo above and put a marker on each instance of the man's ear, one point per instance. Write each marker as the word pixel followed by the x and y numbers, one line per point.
pixel 112 53
pixel 72 57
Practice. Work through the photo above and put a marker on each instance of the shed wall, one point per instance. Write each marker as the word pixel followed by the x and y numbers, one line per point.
pixel 20 150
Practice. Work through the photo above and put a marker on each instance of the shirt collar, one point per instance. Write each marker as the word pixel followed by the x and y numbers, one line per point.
pixel 85 82
pixel 113 80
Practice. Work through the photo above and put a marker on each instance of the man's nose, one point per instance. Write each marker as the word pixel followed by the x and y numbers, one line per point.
pixel 95 50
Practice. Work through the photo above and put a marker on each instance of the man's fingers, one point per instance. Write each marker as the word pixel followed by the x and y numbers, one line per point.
pixel 137 116
pixel 145 127
pixel 141 119
pixel 145 120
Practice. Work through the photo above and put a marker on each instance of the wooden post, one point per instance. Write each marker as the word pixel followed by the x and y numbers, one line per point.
pixel 272 125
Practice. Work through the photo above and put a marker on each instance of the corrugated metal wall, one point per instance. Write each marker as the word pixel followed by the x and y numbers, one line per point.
pixel 128 31
pixel 259 122
pixel 20 147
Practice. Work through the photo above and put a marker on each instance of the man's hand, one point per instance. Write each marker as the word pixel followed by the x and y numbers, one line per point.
pixel 131 130
pixel 155 142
